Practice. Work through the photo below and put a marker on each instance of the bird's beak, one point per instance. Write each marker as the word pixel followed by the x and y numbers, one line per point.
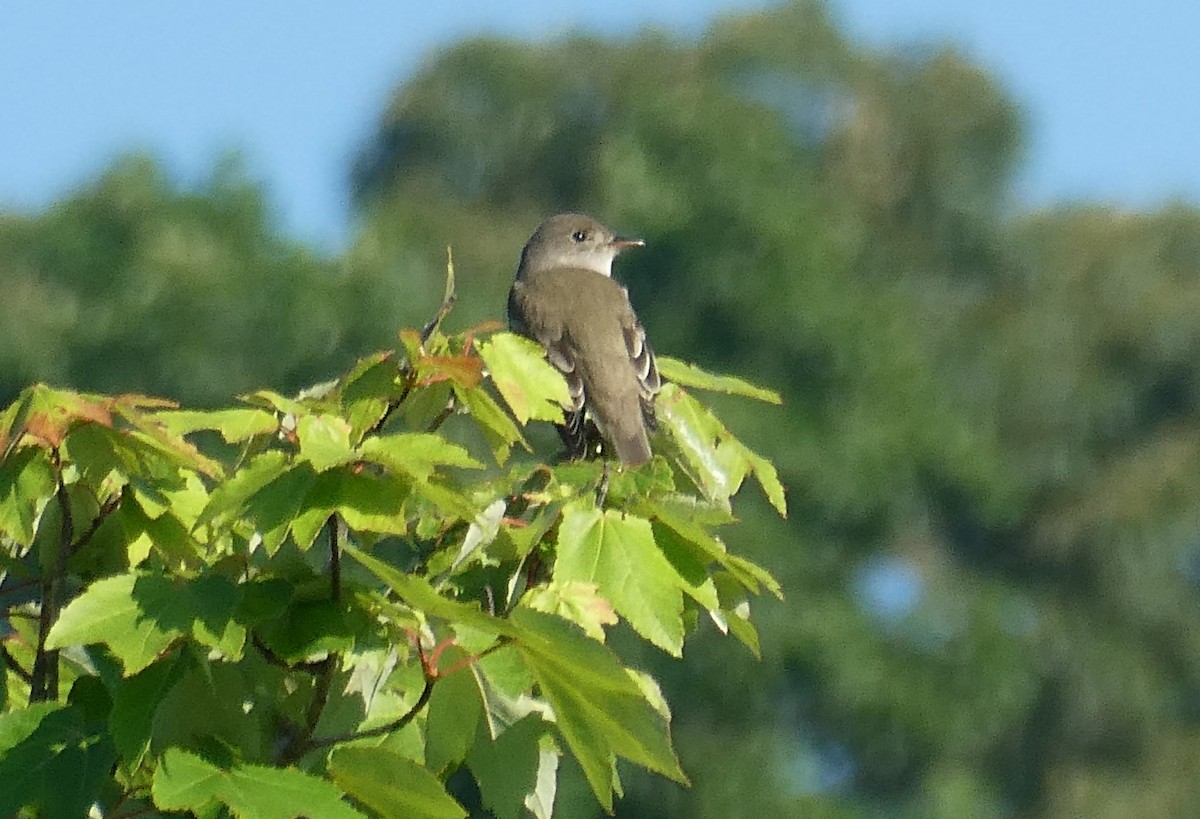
pixel 622 242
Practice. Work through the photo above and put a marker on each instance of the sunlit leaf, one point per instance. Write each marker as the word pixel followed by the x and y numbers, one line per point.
pixel 392 785
pixel 235 424
pixel 530 384
pixel 26 485
pixel 599 709
pixel 324 441
pixel 184 781
pixel 618 553
pixel 417 454
pixel 689 375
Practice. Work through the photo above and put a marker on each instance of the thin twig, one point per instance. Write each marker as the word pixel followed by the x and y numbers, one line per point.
pixel 275 660
pixel 43 684
pixel 441 417
pixel 380 730
pixel 9 614
pixel 602 487
pixel 106 509
pixel 409 370
pixel 410 380
pixel 14 666
pixel 474 658
pixel 448 300
pixel 335 559
pixel 303 742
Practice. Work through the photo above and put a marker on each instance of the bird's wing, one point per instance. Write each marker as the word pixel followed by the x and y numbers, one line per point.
pixel 561 354
pixel 644 366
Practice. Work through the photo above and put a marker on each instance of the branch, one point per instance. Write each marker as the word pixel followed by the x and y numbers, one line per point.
pixel 302 743
pixel 328 667
pixel 380 730
pixel 43 684
pixel 409 369
pixel 448 300
pixel 441 417
pixel 500 643
pixel 335 559
pixel 432 675
pixel 410 379
pixel 275 660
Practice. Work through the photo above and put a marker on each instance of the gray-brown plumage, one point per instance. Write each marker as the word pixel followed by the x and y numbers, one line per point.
pixel 564 298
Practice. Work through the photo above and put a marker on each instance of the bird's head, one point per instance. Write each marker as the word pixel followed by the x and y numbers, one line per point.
pixel 573 240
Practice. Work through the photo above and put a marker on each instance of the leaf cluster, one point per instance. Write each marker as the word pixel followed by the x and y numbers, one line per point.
pixel 329 604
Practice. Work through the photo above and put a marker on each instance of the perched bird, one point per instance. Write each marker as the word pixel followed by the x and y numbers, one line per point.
pixel 564 298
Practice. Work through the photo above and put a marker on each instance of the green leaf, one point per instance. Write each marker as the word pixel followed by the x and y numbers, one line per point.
pixel 509 769
pixel 618 553
pixel 740 627
pixel 685 530
pixel 207 707
pixel 151 434
pixel 309 628
pixel 372 503
pixel 26 486
pixel 716 461
pixel 211 600
pixel 134 705
pixel 367 390
pixel 184 781
pixel 233 494
pixel 497 427
pixel 576 601
pixel 689 375
pixel 744 568
pixel 529 383
pixel 418 593
pixel 138 614
pixel 768 478
pixel 693 571
pixel 50 758
pixel 25 752
pixel 391 785
pixel 697 433
pixel 455 708
pixel 11 422
pixel 417 454
pixel 599 709
pixel 281 403
pixel 122 612
pixel 274 508
pixel 324 441
pixel 237 424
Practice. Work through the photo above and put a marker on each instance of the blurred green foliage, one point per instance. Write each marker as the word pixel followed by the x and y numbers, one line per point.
pixel 990 432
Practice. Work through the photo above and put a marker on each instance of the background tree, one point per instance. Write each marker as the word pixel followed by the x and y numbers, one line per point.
pixel 990 424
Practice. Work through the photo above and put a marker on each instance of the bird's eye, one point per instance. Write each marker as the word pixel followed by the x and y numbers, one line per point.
pixel 579 235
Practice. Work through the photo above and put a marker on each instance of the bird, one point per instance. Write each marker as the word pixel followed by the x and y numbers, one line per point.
pixel 564 298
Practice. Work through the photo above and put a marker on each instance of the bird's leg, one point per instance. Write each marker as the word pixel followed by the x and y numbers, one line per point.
pixel 602 486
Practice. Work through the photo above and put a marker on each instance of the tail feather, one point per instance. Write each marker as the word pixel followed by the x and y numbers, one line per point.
pixel 632 448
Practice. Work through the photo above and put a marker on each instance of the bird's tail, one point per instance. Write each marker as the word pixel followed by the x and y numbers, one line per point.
pixel 630 445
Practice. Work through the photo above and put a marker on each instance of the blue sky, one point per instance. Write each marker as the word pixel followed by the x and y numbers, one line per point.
pixel 1111 90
